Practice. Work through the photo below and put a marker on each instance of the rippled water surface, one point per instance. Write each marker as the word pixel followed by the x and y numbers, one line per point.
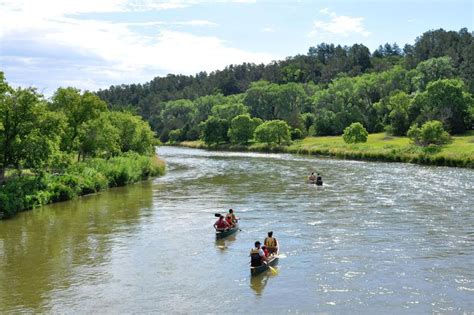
pixel 377 238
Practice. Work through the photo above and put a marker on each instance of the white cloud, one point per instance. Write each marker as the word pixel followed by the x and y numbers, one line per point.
pixel 339 25
pixel 268 29
pixel 48 44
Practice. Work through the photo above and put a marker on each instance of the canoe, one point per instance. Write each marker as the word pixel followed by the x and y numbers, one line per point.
pixel 225 233
pixel 272 261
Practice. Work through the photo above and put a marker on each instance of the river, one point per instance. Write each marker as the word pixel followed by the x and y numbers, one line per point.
pixel 376 238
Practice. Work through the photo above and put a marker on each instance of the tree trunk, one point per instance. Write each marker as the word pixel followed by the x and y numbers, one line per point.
pixel 2 175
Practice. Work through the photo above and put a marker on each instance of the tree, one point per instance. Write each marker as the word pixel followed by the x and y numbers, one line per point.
pixel 134 133
pixel 273 131
pixel 432 70
pixel 176 115
pixel 432 132
pixel 355 133
pixel 78 108
pixel 229 111
pixel 98 138
pixel 398 117
pixel 29 133
pixel 444 100
pixel 242 128
pixel 214 130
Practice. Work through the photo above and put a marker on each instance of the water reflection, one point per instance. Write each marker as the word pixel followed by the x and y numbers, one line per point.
pixel 51 248
pixel 224 243
pixel 259 282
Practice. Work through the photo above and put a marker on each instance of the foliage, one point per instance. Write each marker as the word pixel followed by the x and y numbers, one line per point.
pixel 242 128
pixel 78 109
pixel 273 131
pixel 29 134
pixel 296 134
pixel 214 130
pixel 229 111
pixel 432 132
pixel 81 178
pixel 355 133
pixel 398 117
pixel 444 100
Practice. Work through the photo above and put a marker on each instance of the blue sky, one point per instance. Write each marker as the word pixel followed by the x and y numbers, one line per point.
pixel 92 44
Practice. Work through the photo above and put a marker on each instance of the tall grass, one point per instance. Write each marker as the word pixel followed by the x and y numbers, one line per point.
pixel 27 192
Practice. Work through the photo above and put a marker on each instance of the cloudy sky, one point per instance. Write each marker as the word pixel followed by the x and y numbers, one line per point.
pixel 92 44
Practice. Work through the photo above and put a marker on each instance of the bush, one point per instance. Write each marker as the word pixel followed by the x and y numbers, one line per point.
pixel 432 132
pixel 81 178
pixel 355 133
pixel 296 134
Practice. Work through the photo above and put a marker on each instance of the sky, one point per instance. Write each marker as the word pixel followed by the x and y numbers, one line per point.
pixel 93 44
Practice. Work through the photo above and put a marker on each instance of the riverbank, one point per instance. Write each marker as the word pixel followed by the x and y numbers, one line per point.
pixel 27 192
pixel 379 147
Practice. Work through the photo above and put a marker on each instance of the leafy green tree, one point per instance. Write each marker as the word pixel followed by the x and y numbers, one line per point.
pixel 432 132
pixel 355 133
pixel 98 138
pixel 176 136
pixel 326 123
pixel 276 102
pixel 432 70
pixel 29 133
pixel 444 100
pixel 78 108
pixel 214 130
pixel 242 128
pixel 273 131
pixel 176 115
pixel 398 117
pixel 134 133
pixel 229 111
pixel 296 134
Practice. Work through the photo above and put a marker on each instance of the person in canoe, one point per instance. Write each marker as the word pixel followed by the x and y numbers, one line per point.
pixel 231 218
pixel 312 178
pixel 221 224
pixel 319 180
pixel 271 243
pixel 257 255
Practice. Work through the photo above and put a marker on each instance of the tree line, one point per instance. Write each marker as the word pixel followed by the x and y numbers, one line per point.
pixel 50 135
pixel 321 65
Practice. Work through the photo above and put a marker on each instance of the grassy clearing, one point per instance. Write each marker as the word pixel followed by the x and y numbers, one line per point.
pixel 379 147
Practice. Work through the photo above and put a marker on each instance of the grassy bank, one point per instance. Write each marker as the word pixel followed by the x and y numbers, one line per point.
pixel 379 147
pixel 27 192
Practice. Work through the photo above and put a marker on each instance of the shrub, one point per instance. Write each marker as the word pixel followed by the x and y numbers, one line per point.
pixel 296 134
pixel 355 133
pixel 432 132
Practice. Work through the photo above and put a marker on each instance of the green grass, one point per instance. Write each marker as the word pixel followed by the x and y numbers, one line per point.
pixel 26 192
pixel 379 147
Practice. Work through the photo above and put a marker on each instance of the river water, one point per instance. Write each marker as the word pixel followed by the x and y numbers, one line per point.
pixel 376 238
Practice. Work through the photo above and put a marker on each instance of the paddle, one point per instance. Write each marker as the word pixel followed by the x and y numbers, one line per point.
pixel 273 270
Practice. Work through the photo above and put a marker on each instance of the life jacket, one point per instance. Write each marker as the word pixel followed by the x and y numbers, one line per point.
pixel 270 242
pixel 255 258
pixel 319 181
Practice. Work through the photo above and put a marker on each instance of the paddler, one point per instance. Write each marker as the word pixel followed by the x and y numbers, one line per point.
pixel 271 243
pixel 257 255
pixel 221 224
